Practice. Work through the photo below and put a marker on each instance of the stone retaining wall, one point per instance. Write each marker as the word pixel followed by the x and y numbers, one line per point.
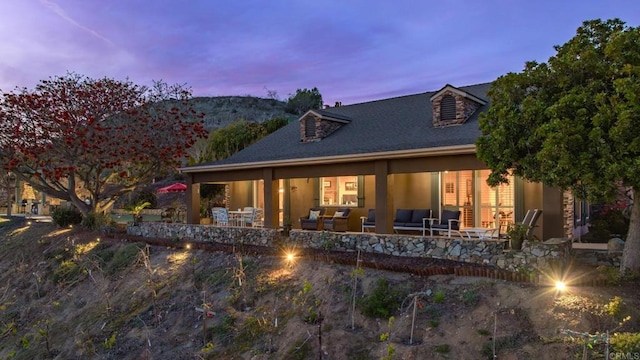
pixel 226 235
pixel 534 254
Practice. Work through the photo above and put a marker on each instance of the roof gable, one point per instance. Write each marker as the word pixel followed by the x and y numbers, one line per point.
pixel 453 106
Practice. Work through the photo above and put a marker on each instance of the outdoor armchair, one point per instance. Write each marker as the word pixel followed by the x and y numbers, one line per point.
pixel 313 220
pixel 338 222
pixel 449 220
pixel 369 221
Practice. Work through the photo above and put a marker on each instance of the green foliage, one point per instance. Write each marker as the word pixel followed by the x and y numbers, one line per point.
pixel 304 100
pixel 224 331
pixel 64 216
pixel 611 274
pixel 470 297
pixel 433 323
pixel 608 220
pixel 442 349
pixel 68 271
pixel 484 332
pixel 110 342
pixel 438 297
pixel 383 301
pixel 123 257
pixel 572 122
pixel 626 343
pixel 146 195
pixel 93 221
pixel 301 350
pixel 614 306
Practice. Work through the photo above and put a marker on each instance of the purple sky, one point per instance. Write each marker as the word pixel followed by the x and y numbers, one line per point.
pixel 352 51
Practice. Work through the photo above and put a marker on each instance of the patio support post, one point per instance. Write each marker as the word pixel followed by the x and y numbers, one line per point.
pixel 384 200
pixel 192 201
pixel 270 199
pixel 552 214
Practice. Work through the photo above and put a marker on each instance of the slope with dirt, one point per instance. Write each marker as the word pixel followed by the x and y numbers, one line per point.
pixel 72 294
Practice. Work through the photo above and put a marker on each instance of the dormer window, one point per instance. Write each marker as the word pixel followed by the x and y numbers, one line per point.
pixel 452 106
pixel 318 124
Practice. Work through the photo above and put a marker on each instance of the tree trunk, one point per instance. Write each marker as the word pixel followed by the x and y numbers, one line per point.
pixel 631 254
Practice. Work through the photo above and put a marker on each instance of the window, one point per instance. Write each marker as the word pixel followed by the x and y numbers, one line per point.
pixel 448 108
pixel 339 191
pixel 480 204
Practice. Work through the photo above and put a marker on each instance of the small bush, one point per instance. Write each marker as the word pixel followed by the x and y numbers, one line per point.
pixel 384 300
pixel 124 257
pixel 95 221
pixel 484 332
pixel 68 271
pixel 64 216
pixel 434 323
pixel 438 297
pixel 614 306
pixel 626 342
pixel 470 297
pixel 443 349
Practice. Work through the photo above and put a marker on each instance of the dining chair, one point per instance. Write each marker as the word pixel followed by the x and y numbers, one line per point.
pixel 223 217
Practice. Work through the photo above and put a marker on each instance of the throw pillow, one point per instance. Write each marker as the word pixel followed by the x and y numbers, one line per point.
pixel 313 215
pixel 338 214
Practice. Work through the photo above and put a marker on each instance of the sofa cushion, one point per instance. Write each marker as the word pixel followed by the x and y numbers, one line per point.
pixel 338 214
pixel 371 216
pixel 313 215
pixel 419 214
pixel 403 216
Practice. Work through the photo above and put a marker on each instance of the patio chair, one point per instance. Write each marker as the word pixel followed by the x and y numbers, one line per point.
pixel 449 221
pixel 214 214
pixel 338 222
pixel 247 218
pixel 258 218
pixel 223 217
pixel 369 221
pixel 531 221
pixel 313 220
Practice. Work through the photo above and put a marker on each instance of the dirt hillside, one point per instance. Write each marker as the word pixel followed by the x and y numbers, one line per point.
pixel 72 294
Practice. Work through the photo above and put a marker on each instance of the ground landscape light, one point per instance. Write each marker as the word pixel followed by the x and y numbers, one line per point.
pixel 188 246
pixel 560 285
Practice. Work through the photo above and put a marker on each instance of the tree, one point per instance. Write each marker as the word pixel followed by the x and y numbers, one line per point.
pixel 573 122
pixel 102 137
pixel 7 184
pixel 226 141
pixel 303 101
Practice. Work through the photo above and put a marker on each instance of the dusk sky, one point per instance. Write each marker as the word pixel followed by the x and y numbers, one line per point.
pixel 351 50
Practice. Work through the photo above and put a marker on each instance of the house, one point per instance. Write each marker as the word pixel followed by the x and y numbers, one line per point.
pixel 415 151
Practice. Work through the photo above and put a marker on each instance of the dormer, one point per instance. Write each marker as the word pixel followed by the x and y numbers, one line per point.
pixel 318 124
pixel 452 106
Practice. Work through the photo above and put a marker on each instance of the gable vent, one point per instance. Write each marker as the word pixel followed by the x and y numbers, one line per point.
pixel 447 108
pixel 309 127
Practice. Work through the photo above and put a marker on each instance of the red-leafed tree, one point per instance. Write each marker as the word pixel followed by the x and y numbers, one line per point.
pixel 75 135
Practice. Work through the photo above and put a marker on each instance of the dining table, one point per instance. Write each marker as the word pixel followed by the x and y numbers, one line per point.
pixel 478 232
pixel 237 217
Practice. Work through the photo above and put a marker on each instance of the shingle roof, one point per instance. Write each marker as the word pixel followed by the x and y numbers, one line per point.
pixel 401 123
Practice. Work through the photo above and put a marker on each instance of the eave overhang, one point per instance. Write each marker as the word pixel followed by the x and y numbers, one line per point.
pixel 325 160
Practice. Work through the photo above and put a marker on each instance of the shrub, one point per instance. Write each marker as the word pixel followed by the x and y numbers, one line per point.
pixel 95 221
pixel 438 297
pixel 124 257
pixel 626 343
pixel 384 300
pixel 64 216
